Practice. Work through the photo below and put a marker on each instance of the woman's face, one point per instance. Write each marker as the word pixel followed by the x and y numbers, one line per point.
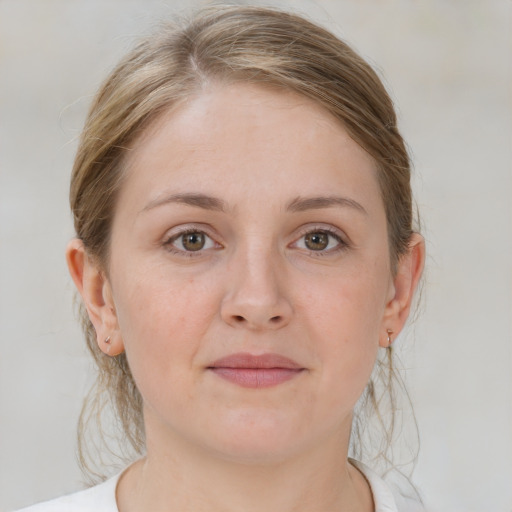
pixel 249 273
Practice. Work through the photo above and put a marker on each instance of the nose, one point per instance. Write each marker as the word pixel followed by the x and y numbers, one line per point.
pixel 255 295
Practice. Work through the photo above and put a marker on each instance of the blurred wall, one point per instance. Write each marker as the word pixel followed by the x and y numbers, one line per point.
pixel 447 64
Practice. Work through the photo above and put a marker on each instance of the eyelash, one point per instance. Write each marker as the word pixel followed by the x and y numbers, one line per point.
pixel 342 244
pixel 168 243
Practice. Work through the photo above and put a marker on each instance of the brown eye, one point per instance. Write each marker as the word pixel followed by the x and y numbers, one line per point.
pixel 316 241
pixel 193 241
pixel 189 242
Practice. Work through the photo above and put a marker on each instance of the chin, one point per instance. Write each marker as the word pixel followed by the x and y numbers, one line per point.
pixel 257 439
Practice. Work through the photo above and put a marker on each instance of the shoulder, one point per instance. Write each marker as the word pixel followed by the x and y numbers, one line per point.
pixel 385 498
pixel 100 498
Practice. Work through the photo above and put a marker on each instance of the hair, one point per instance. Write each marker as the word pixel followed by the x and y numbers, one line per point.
pixel 225 45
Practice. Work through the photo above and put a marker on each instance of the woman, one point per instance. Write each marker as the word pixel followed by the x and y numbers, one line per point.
pixel 244 249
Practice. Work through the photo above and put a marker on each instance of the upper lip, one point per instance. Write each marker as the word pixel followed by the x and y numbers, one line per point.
pixel 263 361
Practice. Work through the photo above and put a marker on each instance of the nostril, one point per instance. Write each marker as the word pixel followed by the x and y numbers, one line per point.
pixel 275 319
pixel 239 318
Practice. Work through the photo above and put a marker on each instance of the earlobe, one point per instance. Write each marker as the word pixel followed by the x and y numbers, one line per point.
pixel 405 283
pixel 96 293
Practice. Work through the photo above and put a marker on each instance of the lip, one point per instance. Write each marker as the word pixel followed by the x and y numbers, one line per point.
pixel 256 371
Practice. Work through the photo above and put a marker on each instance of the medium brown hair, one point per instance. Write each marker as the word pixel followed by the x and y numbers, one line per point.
pixel 227 44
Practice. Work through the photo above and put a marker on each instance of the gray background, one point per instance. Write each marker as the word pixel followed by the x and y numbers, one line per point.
pixel 448 65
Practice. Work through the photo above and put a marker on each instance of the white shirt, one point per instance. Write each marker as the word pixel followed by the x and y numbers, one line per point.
pixel 102 497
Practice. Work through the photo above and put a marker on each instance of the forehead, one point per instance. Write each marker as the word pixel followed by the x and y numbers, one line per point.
pixel 239 105
pixel 249 137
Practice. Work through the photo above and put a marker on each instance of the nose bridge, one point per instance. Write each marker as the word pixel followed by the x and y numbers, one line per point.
pixel 256 292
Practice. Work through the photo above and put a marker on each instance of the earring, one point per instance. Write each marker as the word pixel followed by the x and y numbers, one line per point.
pixel 390 332
pixel 117 347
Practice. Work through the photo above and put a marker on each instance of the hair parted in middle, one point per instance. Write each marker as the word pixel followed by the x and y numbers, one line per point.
pixel 224 45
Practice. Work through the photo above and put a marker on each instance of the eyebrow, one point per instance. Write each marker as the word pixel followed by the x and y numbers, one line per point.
pixel 192 199
pixel 301 204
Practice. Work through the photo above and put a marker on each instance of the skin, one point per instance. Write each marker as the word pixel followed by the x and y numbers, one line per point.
pixel 256 286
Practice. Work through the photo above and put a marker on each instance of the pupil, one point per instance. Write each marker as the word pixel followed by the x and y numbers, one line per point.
pixel 317 241
pixel 193 241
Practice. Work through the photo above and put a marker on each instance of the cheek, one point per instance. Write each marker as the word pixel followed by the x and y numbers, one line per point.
pixel 162 319
pixel 157 300
pixel 344 316
pixel 349 305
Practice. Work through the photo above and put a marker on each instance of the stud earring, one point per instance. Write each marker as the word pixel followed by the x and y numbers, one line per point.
pixel 390 332
pixel 107 340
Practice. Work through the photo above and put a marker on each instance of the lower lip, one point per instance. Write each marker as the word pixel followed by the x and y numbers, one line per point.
pixel 257 377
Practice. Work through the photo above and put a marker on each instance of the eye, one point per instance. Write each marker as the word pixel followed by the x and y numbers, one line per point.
pixel 191 241
pixel 316 241
pixel 320 240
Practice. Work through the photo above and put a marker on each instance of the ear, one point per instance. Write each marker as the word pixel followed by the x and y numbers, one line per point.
pixel 96 293
pixel 404 284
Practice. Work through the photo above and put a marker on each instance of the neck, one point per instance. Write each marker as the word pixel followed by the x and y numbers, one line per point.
pixel 187 478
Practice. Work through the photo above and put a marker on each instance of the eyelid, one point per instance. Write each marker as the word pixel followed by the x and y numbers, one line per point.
pixel 178 231
pixel 175 233
pixel 343 242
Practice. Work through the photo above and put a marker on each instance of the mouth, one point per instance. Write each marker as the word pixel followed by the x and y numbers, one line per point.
pixel 256 371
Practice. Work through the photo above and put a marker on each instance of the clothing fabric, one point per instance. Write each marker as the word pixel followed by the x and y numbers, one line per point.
pixel 102 497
